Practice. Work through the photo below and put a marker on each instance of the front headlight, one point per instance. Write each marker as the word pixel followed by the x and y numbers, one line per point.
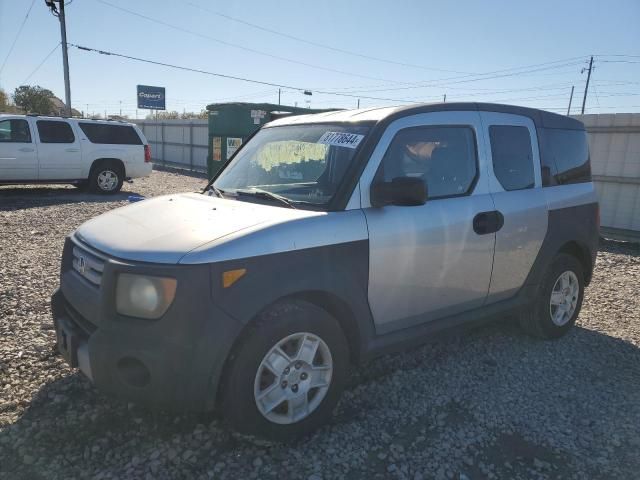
pixel 144 296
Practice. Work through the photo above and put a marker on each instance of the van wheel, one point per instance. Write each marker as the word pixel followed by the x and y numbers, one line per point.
pixel 559 301
pixel 106 177
pixel 285 377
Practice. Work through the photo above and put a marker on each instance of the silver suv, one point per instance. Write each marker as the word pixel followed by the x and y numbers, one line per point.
pixel 326 240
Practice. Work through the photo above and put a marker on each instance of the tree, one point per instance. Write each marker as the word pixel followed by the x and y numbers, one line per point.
pixel 34 99
pixel 5 105
pixel 203 114
pixel 173 115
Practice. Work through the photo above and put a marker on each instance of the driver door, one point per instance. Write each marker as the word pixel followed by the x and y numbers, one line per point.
pixel 430 261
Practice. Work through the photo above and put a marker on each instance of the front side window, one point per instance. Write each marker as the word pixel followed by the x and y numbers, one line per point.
pixel 15 131
pixel 444 157
pixel 303 164
pixel 110 134
pixel 512 156
pixel 53 131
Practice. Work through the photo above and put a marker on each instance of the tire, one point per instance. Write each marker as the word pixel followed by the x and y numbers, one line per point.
pixel 538 320
pixel 106 177
pixel 247 377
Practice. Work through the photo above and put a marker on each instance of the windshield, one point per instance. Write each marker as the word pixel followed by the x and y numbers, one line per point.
pixel 302 164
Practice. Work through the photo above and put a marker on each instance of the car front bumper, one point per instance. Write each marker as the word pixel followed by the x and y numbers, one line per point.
pixel 173 363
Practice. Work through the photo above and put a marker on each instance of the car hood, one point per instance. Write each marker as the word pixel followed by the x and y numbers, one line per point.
pixel 164 229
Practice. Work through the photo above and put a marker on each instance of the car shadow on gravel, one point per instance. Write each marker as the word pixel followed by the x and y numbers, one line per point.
pixel 69 422
pixel 20 198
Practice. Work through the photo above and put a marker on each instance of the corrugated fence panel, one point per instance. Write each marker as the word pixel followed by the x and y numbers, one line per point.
pixel 178 143
pixel 614 144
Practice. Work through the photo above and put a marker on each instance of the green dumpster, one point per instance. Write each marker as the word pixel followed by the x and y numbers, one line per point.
pixel 231 123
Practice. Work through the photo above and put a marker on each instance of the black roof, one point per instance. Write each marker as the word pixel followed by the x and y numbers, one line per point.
pixel 541 118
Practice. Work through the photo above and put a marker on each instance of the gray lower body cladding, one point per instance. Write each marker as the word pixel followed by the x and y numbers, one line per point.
pixel 181 354
pixel 176 362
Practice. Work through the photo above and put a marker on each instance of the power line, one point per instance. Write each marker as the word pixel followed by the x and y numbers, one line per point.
pixel 512 71
pixel 41 63
pixel 319 45
pixel 619 61
pixel 241 47
pixel 233 77
pixel 17 35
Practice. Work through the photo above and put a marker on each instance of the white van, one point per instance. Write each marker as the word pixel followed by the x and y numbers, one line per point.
pixel 99 154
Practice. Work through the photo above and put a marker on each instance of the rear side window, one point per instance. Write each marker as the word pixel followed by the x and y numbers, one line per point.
pixel 565 157
pixel 110 134
pixel 15 131
pixel 52 131
pixel 512 156
pixel 444 157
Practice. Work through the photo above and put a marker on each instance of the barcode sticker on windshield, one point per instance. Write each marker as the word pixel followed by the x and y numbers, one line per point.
pixel 341 139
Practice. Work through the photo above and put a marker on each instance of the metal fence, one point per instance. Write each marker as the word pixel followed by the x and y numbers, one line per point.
pixel 177 143
pixel 614 142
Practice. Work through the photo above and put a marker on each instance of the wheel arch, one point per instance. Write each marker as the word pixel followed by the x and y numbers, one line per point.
pixel 581 253
pixel 327 301
pixel 113 160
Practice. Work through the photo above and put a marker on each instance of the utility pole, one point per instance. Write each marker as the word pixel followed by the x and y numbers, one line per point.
pixel 279 91
pixel 358 103
pixel 120 108
pixel 586 88
pixel 570 99
pixel 444 100
pixel 59 12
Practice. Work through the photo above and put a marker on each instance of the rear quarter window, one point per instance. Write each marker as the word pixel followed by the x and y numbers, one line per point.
pixel 512 156
pixel 565 157
pixel 110 134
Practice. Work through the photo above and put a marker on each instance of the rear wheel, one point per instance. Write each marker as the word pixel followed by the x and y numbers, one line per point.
pixel 560 298
pixel 106 177
pixel 286 376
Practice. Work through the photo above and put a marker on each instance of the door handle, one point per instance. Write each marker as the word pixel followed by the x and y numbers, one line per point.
pixel 488 222
pixel 27 149
pixel 72 150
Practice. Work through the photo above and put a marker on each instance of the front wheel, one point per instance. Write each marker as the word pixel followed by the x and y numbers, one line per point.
pixel 285 377
pixel 559 301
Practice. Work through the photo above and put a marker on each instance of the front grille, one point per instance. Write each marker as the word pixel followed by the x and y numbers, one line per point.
pixel 87 264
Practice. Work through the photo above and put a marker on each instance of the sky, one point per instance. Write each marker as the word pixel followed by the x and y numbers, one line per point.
pixel 372 52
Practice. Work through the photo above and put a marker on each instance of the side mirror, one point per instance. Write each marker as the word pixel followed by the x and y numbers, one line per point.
pixel 401 191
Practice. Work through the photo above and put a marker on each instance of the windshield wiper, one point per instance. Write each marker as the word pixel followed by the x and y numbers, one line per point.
pixel 217 191
pixel 258 192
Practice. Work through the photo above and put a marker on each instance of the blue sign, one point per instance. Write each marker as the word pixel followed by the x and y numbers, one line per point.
pixel 151 98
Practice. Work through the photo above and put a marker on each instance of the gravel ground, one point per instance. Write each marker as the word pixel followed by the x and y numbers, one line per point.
pixel 491 403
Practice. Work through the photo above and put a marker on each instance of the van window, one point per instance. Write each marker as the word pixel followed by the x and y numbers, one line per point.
pixel 512 156
pixel 110 134
pixel 565 157
pixel 15 131
pixel 52 131
pixel 445 157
